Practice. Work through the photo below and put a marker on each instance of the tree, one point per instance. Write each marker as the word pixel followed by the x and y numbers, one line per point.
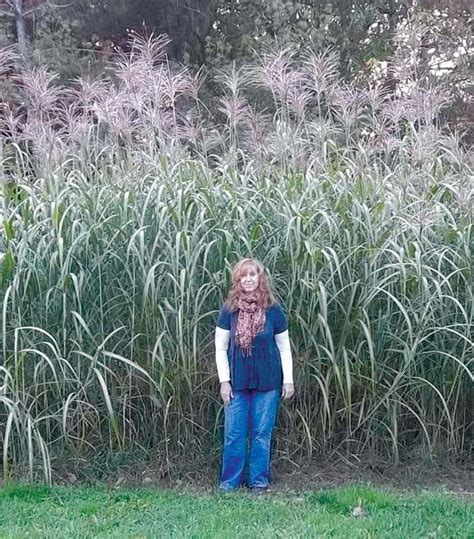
pixel 21 11
pixel 187 23
pixel 217 33
pixel 364 33
pixel 355 28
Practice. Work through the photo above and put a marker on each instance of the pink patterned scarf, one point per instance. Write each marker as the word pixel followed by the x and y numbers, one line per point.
pixel 251 321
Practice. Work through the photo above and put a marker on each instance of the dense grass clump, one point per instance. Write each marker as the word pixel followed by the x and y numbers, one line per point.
pixel 125 205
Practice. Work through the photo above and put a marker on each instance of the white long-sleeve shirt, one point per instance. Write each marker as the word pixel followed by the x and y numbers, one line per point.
pixel 282 341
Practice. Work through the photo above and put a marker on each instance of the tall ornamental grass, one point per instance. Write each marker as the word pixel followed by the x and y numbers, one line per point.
pixel 126 200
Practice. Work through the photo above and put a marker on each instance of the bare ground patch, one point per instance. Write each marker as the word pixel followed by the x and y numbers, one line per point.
pixel 201 475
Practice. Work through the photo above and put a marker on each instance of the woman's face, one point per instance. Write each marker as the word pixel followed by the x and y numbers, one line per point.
pixel 249 280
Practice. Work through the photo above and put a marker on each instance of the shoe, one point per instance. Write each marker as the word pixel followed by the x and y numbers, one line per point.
pixel 227 490
pixel 260 490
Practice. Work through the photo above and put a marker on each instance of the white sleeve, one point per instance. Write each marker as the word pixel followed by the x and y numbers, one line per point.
pixel 222 342
pixel 283 342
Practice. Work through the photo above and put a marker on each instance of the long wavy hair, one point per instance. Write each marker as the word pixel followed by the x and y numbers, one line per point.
pixel 264 291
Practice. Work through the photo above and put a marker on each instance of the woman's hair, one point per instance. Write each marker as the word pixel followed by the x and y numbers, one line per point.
pixel 263 291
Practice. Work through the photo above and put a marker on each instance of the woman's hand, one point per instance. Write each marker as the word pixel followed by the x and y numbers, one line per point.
pixel 226 393
pixel 288 390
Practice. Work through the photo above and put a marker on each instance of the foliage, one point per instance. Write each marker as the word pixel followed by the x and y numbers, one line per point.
pixel 357 30
pixel 58 45
pixel 448 51
pixel 186 22
pixel 81 36
pixel 122 218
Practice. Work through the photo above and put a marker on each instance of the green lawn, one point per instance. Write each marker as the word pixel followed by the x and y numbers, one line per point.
pixel 61 512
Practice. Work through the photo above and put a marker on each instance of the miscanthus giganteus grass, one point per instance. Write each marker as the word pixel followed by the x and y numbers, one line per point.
pixel 126 200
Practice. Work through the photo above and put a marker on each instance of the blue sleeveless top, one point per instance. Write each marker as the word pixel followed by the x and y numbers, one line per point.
pixel 261 370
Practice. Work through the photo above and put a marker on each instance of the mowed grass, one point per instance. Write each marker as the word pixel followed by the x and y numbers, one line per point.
pixel 27 511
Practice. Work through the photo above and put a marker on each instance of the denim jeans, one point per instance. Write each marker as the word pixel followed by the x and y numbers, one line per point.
pixel 250 413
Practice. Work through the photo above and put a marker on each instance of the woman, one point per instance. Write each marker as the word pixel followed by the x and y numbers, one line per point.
pixel 255 368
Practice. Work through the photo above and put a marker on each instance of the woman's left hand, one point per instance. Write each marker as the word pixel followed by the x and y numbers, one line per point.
pixel 288 390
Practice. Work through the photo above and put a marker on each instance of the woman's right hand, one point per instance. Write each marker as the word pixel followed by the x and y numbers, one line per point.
pixel 226 393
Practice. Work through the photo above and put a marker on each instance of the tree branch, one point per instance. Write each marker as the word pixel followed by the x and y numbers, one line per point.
pixel 59 6
pixel 32 10
pixel 52 4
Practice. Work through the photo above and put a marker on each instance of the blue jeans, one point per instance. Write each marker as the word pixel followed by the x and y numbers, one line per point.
pixel 252 413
